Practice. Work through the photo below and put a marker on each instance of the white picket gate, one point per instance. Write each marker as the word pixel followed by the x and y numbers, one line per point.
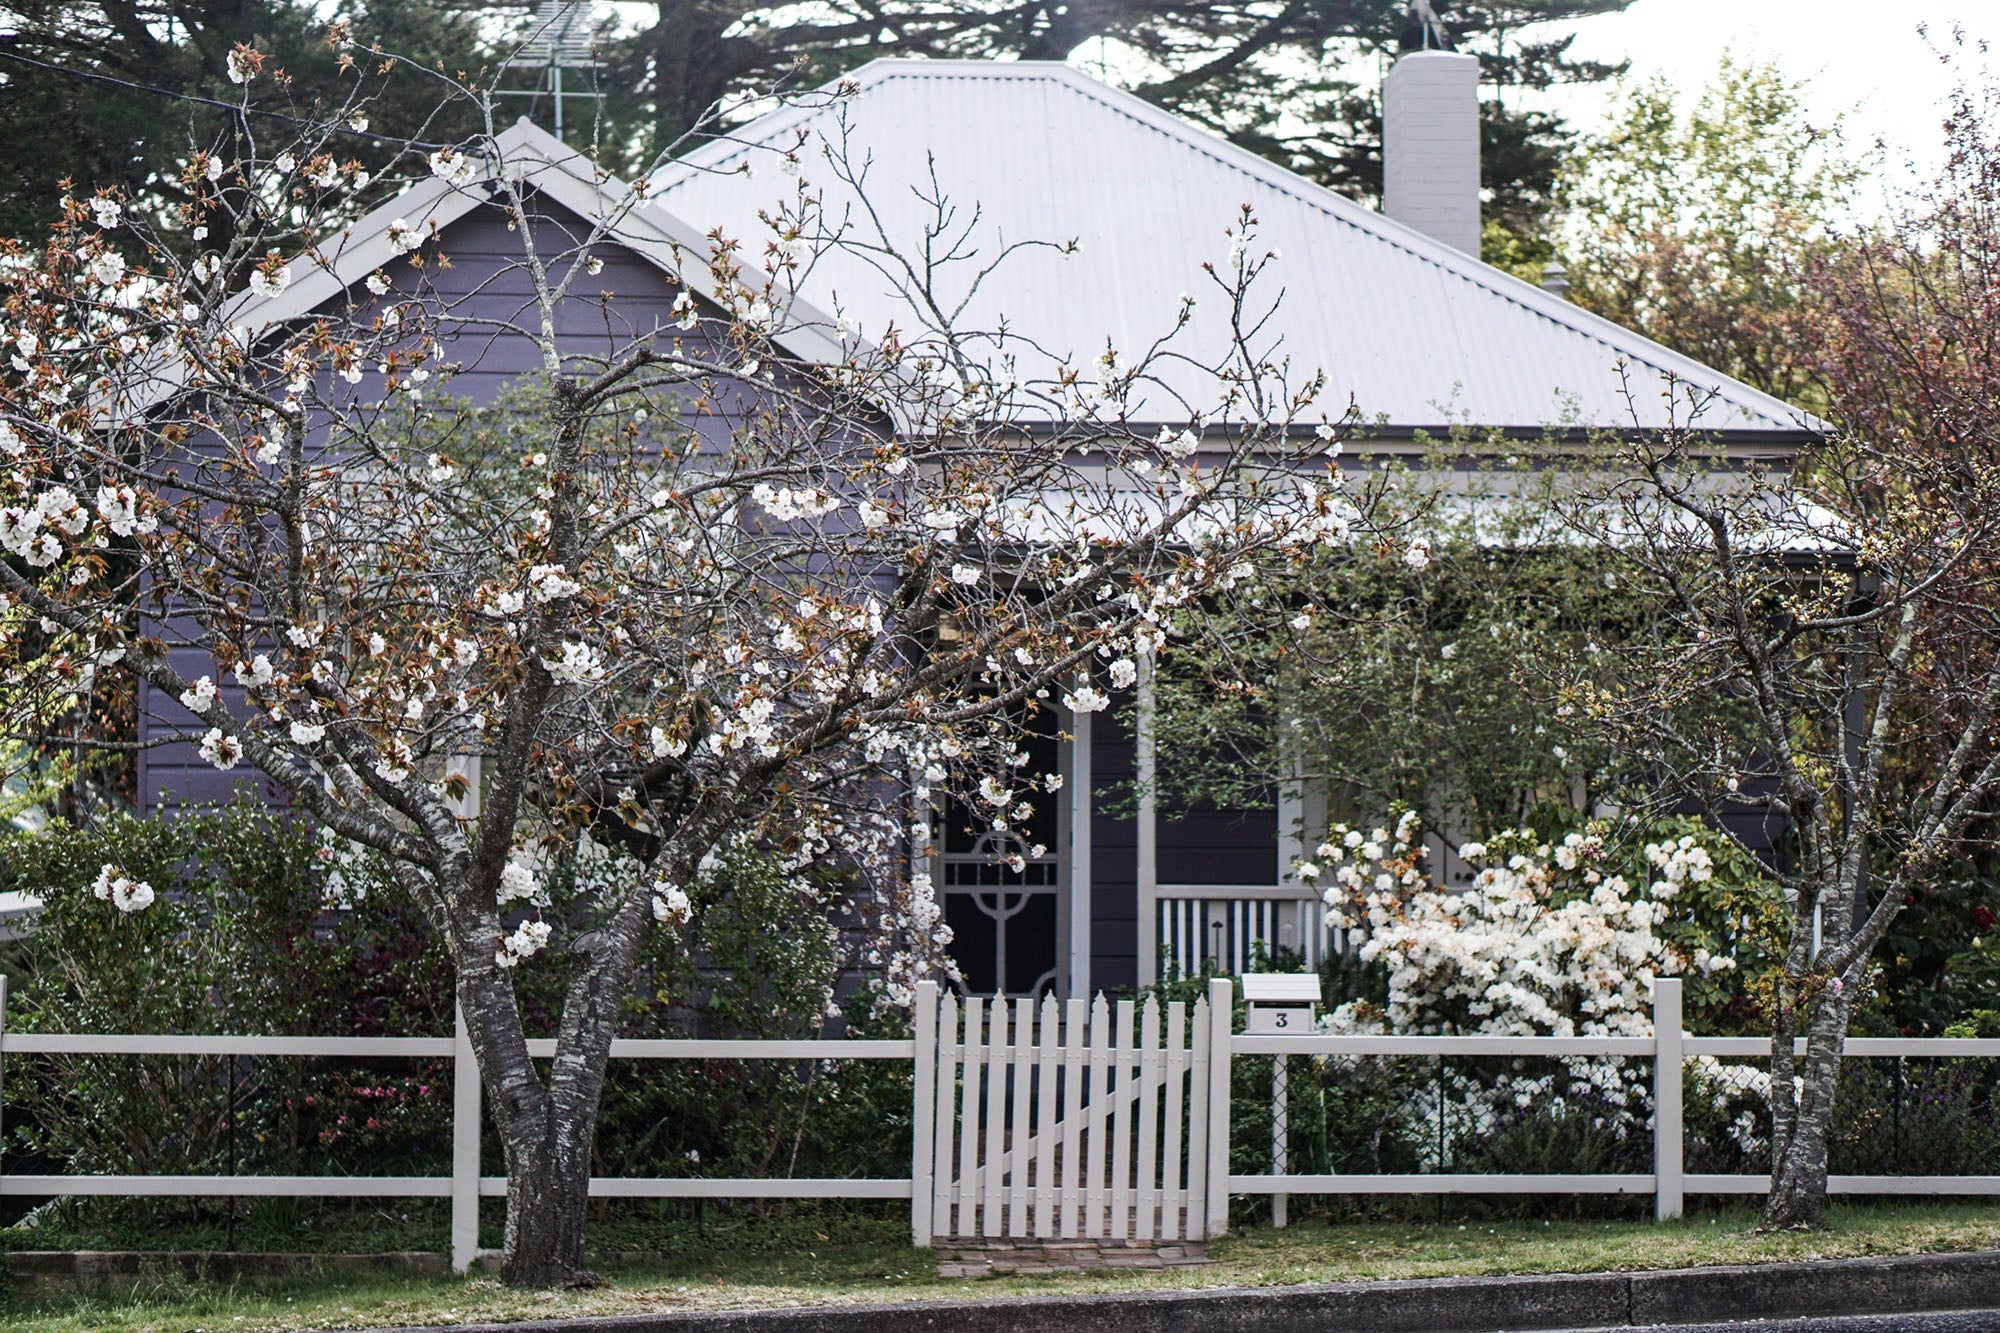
pixel 1048 1122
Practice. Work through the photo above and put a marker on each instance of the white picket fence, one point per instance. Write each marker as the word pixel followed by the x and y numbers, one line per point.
pixel 1045 1121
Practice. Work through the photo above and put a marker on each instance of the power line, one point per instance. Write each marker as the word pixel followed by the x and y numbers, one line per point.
pixel 90 76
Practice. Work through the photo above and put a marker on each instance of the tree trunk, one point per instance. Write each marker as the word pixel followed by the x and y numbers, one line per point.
pixel 548 1191
pixel 692 64
pixel 1797 1200
pixel 547 1153
pixel 549 1126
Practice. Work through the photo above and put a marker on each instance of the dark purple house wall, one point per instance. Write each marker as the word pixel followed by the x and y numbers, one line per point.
pixel 484 281
pixel 487 284
pixel 629 300
pixel 1202 845
pixel 1205 845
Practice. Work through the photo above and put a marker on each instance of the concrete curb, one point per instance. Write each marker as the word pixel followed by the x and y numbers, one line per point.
pixel 1886 1286
pixel 1945 1321
pixel 1904 1283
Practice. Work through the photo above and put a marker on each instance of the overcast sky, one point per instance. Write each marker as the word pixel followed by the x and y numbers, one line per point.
pixel 1860 54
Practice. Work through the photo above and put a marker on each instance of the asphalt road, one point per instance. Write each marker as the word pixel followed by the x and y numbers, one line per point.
pixel 1956 1321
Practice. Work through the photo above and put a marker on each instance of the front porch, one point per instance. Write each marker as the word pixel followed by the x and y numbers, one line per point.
pixel 1126 890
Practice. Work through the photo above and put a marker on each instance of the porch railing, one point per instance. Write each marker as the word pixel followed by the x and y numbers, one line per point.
pixel 1227 926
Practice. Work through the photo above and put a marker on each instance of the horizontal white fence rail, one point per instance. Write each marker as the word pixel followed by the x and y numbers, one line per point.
pixel 1325 1044
pixel 1668 1048
pixel 465 1186
pixel 1044 1120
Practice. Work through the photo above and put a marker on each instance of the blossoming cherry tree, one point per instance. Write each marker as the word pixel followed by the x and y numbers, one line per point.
pixel 682 590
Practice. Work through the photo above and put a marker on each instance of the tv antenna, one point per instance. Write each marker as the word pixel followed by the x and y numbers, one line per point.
pixel 563 39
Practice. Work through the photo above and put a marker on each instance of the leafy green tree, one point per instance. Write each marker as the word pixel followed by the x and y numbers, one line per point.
pixel 118 93
pixel 1414 682
pixel 1293 81
pixel 1700 224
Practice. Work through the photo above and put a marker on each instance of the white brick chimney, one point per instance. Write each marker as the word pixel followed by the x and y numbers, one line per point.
pixel 1430 146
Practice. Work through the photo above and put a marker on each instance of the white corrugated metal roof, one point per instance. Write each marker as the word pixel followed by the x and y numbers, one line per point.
pixel 1421 335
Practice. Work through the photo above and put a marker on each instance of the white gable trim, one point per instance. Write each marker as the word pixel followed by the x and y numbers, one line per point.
pixel 536 158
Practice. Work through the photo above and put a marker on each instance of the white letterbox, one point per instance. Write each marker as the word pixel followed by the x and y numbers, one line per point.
pixel 1279 1002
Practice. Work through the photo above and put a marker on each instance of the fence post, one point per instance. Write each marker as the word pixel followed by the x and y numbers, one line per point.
pixel 464 1149
pixel 1221 1010
pixel 1281 1137
pixel 1668 1137
pixel 923 1113
pixel 3 1042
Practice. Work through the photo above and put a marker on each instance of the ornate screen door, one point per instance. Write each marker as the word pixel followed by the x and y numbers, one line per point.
pixel 1004 903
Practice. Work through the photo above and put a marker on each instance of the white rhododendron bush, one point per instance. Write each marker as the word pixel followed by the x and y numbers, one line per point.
pixel 1554 937
pixel 1545 942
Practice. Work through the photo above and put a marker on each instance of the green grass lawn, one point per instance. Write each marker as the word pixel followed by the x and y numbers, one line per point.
pixel 802 1262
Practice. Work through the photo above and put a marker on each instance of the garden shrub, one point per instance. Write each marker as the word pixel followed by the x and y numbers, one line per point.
pixel 236 939
pixel 259 927
pixel 1726 1116
pixel 1560 934
pixel 1973 977
pixel 761 962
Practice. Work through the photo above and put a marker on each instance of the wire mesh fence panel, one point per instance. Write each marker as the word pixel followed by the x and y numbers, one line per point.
pixel 1538 1116
pixel 1903 1116
pixel 172 1124
pixel 761 1118
pixel 1726 1111
pixel 93 1113
pixel 1439 1114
